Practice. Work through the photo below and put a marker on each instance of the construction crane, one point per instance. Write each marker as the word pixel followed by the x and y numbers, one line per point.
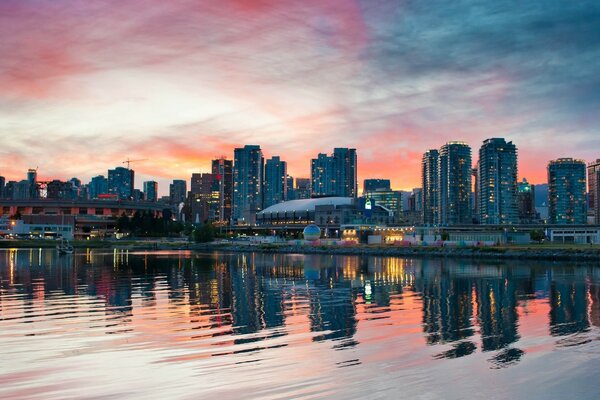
pixel 128 161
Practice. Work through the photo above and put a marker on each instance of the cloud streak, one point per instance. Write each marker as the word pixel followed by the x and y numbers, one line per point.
pixel 87 84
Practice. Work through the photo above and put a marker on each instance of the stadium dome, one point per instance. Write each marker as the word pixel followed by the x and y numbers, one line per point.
pixel 312 232
pixel 304 205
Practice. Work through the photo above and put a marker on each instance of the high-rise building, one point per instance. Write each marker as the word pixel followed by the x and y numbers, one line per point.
pixel 223 171
pixel 97 186
pixel 371 185
pixel 594 189
pixel 302 188
pixel 526 202
pixel 57 189
pixel 415 201
pixel 21 190
pixel 248 175
pixel 177 191
pixel 345 172
pixel 335 175
pixel 2 184
pixel 275 181
pixel 321 175
pixel 497 183
pixel 291 191
pixel 75 188
pixel 454 182
pixel 121 182
pixel 151 191
pixel 32 182
pixel 429 168
pixel 567 191
pixel 205 198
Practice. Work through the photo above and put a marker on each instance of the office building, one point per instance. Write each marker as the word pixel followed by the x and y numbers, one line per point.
pixel 223 171
pixel 429 174
pixel 526 202
pixel 335 175
pixel 567 202
pixel 454 183
pixel 497 183
pixel 593 170
pixel 97 186
pixel 151 191
pixel 121 182
pixel 177 191
pixel 57 189
pixel 248 174
pixel 302 188
pixel 371 185
pixel 205 198
pixel 275 190
pixel 32 183
pixel 2 185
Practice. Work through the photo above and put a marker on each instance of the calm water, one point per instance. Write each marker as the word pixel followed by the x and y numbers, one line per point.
pixel 185 325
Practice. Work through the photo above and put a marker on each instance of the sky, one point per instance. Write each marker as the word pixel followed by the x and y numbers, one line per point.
pixel 85 85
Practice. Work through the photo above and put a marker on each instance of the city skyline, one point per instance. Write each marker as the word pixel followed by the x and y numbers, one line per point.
pixel 182 84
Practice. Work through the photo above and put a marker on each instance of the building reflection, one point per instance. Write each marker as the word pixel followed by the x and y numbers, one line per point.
pixel 465 305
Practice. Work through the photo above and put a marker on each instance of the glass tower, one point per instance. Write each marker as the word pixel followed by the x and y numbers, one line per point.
pixel 567 191
pixel 497 182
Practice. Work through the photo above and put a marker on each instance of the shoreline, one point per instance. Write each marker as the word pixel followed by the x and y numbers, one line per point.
pixel 546 252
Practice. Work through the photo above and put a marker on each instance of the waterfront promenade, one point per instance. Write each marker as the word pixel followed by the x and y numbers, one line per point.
pixel 545 251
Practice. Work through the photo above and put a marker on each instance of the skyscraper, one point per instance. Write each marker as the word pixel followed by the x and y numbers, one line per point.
pixel 594 189
pixel 204 198
pixel 345 172
pixel 526 202
pixel 248 170
pixel 275 181
pixel 121 182
pixel 97 186
pixel 429 168
pixel 335 175
pixel 32 181
pixel 2 184
pixel 291 191
pixel 497 182
pixel 567 191
pixel 454 182
pixel 151 191
pixel 177 191
pixel 223 171
pixel 321 175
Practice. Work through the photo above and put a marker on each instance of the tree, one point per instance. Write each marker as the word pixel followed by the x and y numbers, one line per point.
pixel 204 234
pixel 537 235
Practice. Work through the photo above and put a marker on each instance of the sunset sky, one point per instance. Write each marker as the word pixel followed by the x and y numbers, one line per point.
pixel 86 84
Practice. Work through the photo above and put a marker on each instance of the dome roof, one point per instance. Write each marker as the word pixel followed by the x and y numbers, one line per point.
pixel 304 205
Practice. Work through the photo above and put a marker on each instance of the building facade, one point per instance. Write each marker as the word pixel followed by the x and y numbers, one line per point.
pixel 454 183
pixel 567 202
pixel 97 186
pixel 526 202
pixel 497 183
pixel 177 191
pixel 593 170
pixel 371 185
pixel 248 175
pixel 335 175
pixel 121 182
pixel 151 191
pixel 275 181
pixel 223 171
pixel 429 174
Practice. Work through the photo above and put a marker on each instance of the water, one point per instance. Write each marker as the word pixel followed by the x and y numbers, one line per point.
pixel 106 324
